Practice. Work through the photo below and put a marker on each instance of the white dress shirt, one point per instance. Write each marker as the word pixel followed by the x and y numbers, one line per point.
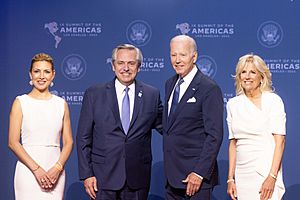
pixel 183 87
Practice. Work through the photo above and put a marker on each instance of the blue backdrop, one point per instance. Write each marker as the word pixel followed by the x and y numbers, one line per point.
pixel 80 36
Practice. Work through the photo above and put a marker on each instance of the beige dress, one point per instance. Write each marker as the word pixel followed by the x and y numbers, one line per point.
pixel 40 135
pixel 252 128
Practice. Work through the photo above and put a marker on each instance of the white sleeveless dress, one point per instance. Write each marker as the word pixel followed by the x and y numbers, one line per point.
pixel 40 134
pixel 252 128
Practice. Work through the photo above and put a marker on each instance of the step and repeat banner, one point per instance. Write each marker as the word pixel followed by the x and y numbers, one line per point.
pixel 80 36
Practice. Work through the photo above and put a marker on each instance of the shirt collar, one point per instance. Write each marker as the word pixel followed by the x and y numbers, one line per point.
pixel 189 77
pixel 120 87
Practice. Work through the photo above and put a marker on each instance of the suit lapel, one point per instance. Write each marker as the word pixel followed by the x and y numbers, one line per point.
pixel 138 97
pixel 169 88
pixel 113 101
pixel 168 91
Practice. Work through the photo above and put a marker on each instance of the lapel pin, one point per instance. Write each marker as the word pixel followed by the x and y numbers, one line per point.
pixel 193 89
pixel 140 94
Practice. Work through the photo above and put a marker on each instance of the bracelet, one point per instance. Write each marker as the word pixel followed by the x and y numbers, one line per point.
pixel 273 176
pixel 35 168
pixel 58 166
pixel 230 180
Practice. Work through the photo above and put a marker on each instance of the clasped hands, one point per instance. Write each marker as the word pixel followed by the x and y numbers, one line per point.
pixel 47 179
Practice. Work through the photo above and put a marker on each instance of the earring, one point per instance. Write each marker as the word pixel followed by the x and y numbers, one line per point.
pixel 51 84
pixel 30 82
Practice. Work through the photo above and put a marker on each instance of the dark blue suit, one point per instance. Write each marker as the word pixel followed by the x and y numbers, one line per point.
pixel 104 151
pixel 193 134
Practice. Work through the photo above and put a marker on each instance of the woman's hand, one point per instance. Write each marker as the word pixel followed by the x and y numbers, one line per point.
pixel 231 190
pixel 54 174
pixel 267 188
pixel 43 178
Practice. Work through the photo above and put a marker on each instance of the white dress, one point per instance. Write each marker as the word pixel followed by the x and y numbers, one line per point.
pixel 40 135
pixel 252 128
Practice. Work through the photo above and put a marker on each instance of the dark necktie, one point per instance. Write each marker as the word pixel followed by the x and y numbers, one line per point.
pixel 125 111
pixel 175 96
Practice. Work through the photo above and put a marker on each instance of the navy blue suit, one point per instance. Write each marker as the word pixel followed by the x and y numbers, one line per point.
pixel 104 151
pixel 193 134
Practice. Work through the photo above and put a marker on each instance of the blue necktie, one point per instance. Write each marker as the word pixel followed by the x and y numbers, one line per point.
pixel 125 111
pixel 175 99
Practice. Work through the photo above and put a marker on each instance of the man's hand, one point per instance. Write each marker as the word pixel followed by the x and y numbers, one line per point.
pixel 90 185
pixel 193 183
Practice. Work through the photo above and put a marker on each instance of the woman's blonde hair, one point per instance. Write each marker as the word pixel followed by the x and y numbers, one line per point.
pixel 260 65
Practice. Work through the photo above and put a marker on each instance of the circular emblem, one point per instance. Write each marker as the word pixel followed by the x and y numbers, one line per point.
pixel 139 33
pixel 207 65
pixel 73 67
pixel 269 34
